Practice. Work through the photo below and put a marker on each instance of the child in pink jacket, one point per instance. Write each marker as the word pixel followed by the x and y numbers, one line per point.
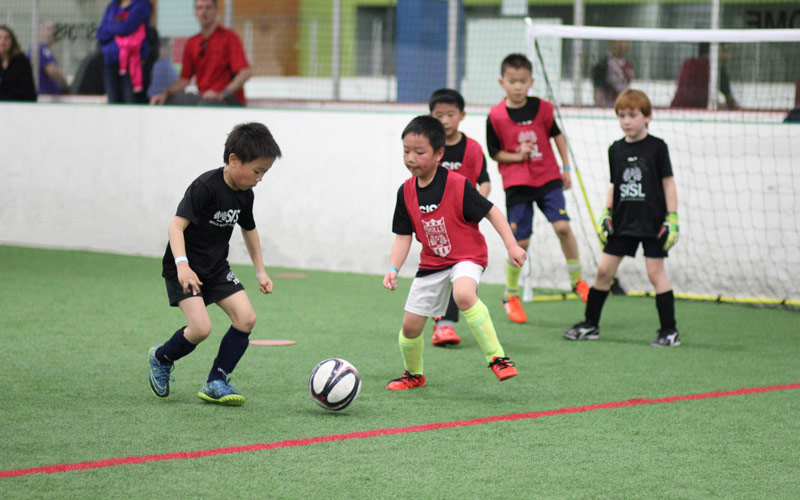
pixel 130 59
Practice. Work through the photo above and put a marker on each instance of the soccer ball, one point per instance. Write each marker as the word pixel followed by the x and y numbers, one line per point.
pixel 334 384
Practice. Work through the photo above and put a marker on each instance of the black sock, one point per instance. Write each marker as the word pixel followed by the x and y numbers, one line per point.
pixel 175 348
pixel 452 310
pixel 665 303
pixel 594 305
pixel 231 350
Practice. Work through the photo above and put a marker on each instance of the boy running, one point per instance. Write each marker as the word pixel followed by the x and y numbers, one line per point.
pixel 518 133
pixel 195 264
pixel 443 209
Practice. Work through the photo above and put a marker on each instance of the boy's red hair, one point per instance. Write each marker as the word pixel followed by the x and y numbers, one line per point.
pixel 633 99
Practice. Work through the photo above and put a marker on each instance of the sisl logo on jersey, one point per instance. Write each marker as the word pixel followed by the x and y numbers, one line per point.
pixel 225 218
pixel 451 165
pixel 436 233
pixel 632 189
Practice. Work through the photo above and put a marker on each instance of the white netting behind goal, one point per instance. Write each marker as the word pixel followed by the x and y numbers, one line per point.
pixel 736 163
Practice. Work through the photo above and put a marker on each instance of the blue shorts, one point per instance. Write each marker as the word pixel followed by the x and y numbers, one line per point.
pixel 520 215
pixel 627 245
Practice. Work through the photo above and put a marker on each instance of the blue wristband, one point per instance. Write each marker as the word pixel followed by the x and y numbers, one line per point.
pixel 392 268
pixel 566 168
pixel 181 259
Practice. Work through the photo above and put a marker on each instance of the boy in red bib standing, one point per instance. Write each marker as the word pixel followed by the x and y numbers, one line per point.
pixel 465 156
pixel 443 210
pixel 518 133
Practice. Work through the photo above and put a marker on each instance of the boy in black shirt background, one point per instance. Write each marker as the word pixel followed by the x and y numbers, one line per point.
pixel 641 208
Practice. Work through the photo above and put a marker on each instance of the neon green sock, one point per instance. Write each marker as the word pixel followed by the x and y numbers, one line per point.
pixel 512 279
pixel 575 270
pixel 411 349
pixel 482 328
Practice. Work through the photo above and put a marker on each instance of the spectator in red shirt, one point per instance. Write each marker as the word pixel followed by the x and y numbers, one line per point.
pixel 215 58
pixel 692 91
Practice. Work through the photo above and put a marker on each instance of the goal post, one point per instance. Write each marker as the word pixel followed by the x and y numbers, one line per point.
pixel 736 163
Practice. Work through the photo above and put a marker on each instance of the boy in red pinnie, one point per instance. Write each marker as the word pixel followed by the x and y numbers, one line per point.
pixel 443 210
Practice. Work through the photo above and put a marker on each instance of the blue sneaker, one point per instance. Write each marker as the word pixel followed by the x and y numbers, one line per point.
pixel 159 374
pixel 220 392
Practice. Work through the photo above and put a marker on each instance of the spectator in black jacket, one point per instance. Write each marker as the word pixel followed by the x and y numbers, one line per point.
pixel 16 73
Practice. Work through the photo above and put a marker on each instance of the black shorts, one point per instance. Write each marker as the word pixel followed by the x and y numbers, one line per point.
pixel 627 245
pixel 213 289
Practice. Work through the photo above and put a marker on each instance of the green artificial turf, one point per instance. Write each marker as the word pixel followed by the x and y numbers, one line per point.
pixel 75 328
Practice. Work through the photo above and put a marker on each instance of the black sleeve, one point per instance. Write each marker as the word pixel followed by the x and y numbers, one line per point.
pixel 554 130
pixel 475 206
pixel 484 175
pixel 492 141
pixel 191 206
pixel 401 224
pixel 246 219
pixel 664 163
pixel 19 84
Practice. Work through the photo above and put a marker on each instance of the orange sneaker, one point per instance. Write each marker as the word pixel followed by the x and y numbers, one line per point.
pixel 444 335
pixel 407 381
pixel 503 368
pixel 514 309
pixel 582 289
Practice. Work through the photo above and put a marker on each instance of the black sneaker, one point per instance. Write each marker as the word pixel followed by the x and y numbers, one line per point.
pixel 582 331
pixel 667 337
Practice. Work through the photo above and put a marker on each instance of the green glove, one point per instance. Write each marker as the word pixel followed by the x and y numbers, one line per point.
pixel 604 226
pixel 669 231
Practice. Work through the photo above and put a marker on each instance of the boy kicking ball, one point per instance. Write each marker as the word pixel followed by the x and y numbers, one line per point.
pixel 641 208
pixel 443 210
pixel 195 264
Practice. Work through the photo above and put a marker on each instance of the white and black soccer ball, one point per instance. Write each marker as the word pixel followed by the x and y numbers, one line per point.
pixel 334 384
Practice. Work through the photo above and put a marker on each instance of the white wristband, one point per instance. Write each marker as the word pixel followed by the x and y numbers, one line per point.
pixel 181 259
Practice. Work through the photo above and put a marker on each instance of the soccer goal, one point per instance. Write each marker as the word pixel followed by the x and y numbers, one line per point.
pixel 736 162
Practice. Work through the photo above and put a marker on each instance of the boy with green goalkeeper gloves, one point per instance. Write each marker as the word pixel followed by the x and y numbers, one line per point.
pixel 641 208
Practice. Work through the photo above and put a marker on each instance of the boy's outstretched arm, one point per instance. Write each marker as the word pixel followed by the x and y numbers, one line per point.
pixel 515 253
pixel 186 277
pixel 253 244
pixel 563 152
pixel 400 248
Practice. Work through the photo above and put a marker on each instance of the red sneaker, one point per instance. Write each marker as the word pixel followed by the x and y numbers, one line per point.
pixel 514 309
pixel 582 289
pixel 444 335
pixel 503 368
pixel 407 381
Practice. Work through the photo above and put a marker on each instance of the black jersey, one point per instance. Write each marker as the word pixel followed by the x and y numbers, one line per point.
pixel 637 170
pixel 475 206
pixel 213 208
pixel 525 114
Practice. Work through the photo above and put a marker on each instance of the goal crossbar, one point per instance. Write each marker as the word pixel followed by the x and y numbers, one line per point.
pixel 663 34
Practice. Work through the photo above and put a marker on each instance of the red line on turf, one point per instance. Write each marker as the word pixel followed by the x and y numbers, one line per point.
pixel 290 443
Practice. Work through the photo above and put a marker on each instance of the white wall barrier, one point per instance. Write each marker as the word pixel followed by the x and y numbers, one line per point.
pixel 109 178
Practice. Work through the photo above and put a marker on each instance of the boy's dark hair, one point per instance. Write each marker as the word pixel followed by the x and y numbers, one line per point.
pixel 446 96
pixel 427 126
pixel 516 61
pixel 251 141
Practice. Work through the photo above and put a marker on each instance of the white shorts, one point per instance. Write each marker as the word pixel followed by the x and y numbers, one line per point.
pixel 429 295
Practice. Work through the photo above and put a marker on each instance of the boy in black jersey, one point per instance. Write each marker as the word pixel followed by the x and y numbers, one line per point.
pixel 195 264
pixel 465 156
pixel 443 209
pixel 518 133
pixel 641 208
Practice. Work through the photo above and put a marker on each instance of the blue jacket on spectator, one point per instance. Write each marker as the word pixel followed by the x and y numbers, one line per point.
pixel 119 21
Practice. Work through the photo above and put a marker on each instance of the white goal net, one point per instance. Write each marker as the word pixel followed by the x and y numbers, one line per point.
pixel 736 161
